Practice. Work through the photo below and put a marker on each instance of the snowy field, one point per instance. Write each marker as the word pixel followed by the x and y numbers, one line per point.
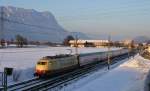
pixel 128 76
pixel 23 60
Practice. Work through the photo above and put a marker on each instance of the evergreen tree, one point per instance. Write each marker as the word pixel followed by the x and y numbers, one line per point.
pixel 67 39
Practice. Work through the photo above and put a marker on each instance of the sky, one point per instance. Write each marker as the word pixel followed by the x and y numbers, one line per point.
pixel 121 18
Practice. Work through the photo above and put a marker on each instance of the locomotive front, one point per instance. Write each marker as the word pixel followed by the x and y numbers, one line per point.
pixel 42 67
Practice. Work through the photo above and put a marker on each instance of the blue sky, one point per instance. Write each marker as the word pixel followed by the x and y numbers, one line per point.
pixel 123 18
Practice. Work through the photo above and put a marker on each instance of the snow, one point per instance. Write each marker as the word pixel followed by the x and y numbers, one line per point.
pixel 23 60
pixel 128 76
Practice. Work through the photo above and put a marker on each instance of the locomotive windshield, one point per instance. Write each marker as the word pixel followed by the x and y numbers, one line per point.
pixel 41 63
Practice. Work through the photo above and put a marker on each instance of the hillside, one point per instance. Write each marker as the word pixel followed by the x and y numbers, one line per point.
pixel 40 26
pixel 141 39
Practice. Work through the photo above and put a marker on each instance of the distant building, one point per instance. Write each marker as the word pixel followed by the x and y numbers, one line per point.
pixel 88 43
pixel 127 42
pixel 148 49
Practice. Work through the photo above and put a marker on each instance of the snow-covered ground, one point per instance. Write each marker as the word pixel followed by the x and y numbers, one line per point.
pixel 23 60
pixel 129 76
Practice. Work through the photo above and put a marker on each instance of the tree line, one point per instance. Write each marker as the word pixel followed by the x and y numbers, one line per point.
pixel 21 41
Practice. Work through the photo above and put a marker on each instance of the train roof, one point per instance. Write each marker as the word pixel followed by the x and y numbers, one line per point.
pixel 93 53
pixel 57 56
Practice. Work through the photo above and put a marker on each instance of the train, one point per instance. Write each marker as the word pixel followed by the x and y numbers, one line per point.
pixel 51 65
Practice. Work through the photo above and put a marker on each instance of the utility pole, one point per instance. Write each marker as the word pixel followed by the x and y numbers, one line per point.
pixel 2 26
pixel 129 45
pixel 76 45
pixel 2 23
pixel 108 61
pixel 5 79
pixel 76 50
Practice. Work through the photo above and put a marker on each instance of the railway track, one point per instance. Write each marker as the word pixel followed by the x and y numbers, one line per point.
pixel 37 84
pixel 59 80
pixel 80 75
pixel 20 85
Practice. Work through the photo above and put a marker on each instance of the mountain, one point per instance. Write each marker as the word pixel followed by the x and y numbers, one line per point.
pixel 34 25
pixel 141 39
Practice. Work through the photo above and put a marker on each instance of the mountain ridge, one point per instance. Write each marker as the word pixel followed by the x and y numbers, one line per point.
pixel 141 39
pixel 32 24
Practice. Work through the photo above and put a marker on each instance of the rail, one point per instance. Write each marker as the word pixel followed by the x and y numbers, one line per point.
pixel 45 84
pixel 52 83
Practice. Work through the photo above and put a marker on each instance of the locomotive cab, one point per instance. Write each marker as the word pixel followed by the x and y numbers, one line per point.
pixel 42 67
pixel 54 65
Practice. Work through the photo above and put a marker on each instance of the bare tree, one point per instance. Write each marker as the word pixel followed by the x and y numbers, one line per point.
pixel 20 41
pixel 2 43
